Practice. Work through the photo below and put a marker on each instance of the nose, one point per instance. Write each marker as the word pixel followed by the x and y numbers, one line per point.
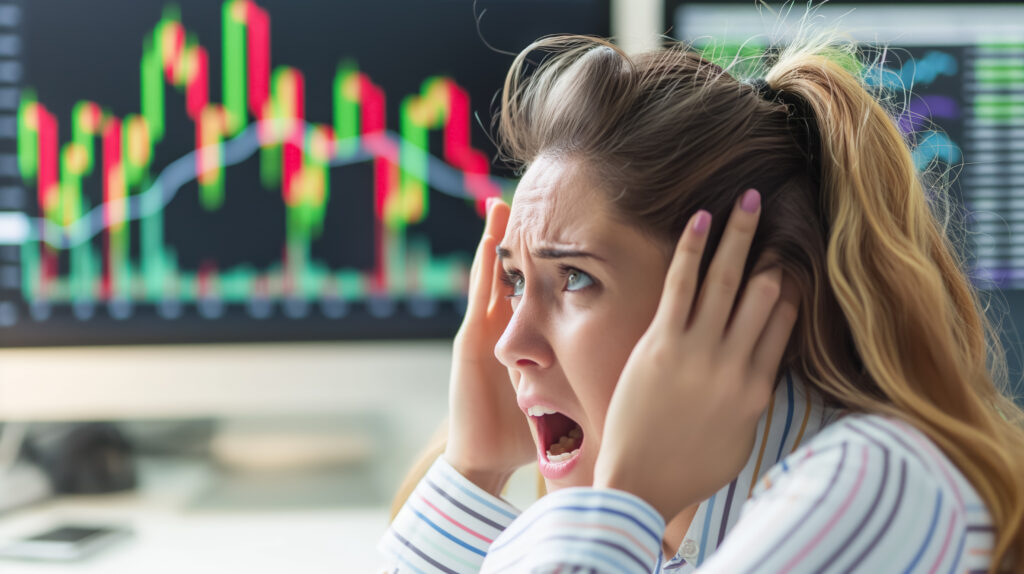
pixel 524 344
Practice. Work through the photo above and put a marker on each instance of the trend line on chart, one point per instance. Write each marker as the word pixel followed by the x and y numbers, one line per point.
pixel 263 111
pixel 181 171
pixel 915 72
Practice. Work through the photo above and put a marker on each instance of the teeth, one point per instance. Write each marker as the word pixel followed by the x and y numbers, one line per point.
pixel 539 411
pixel 565 448
pixel 562 457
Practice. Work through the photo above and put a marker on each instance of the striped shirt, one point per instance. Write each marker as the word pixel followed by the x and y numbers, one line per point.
pixel 819 492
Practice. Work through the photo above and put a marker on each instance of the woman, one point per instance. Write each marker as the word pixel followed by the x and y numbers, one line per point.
pixel 695 269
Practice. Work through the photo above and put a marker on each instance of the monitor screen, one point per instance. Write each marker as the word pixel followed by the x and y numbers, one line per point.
pixel 250 170
pixel 955 72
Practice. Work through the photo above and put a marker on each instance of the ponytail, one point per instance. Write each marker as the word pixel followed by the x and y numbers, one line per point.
pixel 916 322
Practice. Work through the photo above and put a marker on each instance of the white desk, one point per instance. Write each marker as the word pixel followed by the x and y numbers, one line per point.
pixel 173 536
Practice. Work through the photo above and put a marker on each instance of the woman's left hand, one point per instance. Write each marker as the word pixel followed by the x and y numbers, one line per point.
pixel 682 419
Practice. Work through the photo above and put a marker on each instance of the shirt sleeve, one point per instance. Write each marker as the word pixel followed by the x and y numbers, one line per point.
pixel 582 530
pixel 852 506
pixel 447 525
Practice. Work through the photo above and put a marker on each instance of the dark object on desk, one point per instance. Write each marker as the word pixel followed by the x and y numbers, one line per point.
pixel 64 543
pixel 84 458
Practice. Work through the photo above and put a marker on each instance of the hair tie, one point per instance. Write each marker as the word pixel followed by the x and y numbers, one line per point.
pixel 766 92
pixel 799 112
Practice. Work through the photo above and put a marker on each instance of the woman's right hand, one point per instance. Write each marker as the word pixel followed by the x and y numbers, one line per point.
pixel 488 436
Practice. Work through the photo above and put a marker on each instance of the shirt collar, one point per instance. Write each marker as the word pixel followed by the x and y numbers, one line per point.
pixel 794 414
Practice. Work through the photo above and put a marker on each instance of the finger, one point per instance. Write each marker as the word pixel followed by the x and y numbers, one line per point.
pixel 480 276
pixel 726 271
pixel 681 279
pixel 498 305
pixel 497 220
pixel 495 286
pixel 474 269
pixel 770 347
pixel 756 305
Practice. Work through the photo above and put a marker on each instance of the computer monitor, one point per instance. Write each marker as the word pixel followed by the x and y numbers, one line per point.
pixel 956 71
pixel 261 174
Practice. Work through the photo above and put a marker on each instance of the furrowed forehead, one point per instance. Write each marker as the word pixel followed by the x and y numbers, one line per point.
pixel 554 204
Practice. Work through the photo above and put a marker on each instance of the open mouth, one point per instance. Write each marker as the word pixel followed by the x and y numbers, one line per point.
pixel 560 436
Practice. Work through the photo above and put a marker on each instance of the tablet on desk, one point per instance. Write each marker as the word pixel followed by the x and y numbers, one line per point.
pixel 66 542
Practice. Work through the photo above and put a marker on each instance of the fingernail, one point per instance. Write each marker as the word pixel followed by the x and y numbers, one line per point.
pixel 751 201
pixel 702 221
pixel 489 204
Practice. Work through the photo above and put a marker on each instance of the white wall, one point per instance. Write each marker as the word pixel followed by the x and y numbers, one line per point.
pixel 636 24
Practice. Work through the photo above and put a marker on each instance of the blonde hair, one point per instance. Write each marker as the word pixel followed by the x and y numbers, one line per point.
pixel 889 322
pixel 918 325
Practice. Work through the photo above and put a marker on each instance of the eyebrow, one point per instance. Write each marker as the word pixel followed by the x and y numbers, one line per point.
pixel 551 253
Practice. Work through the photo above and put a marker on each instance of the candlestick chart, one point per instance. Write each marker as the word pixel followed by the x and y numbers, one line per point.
pixel 238 189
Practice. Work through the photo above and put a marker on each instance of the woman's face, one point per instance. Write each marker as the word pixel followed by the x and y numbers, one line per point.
pixel 584 288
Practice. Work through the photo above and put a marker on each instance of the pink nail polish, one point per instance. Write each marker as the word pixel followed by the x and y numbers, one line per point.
pixel 702 221
pixel 751 201
pixel 489 204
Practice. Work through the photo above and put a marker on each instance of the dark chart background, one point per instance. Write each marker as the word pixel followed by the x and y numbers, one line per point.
pixel 72 50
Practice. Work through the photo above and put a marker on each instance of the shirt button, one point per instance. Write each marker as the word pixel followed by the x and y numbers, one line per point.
pixel 689 549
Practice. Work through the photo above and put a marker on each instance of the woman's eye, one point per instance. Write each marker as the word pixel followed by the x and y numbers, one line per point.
pixel 575 279
pixel 518 285
pixel 578 280
pixel 515 281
